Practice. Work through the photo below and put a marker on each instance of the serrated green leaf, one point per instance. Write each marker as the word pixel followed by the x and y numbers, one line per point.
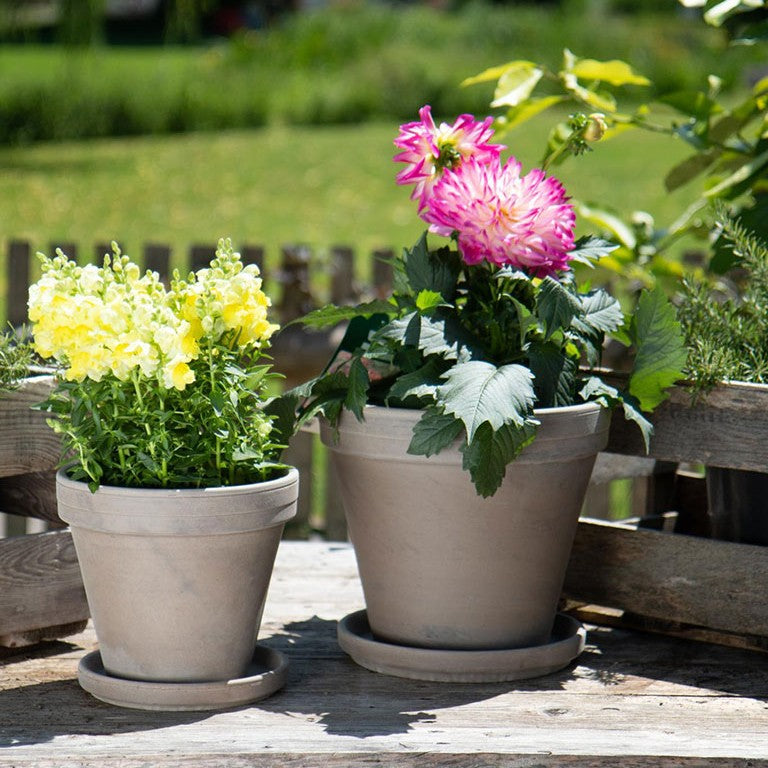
pixel 661 354
pixel 595 388
pixel 357 388
pixel 556 306
pixel 427 300
pixel 419 383
pixel 436 271
pixel 590 248
pixel 487 456
pixel 333 315
pixel 615 72
pixel 516 84
pixel 430 335
pixel 434 432
pixel 600 313
pixel 633 413
pixel 554 375
pixel 477 392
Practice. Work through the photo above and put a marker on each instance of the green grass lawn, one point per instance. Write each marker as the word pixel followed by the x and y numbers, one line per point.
pixel 320 186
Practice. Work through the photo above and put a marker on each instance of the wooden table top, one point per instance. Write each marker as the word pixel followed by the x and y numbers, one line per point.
pixel 631 699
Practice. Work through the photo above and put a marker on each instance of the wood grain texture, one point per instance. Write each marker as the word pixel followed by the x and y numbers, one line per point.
pixel 632 699
pixel 30 495
pixel 724 428
pixel 40 583
pixel 715 584
pixel 28 444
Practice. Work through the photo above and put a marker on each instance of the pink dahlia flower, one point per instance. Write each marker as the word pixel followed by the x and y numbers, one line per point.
pixel 503 217
pixel 429 149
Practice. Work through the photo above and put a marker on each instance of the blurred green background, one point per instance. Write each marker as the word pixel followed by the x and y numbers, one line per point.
pixel 273 124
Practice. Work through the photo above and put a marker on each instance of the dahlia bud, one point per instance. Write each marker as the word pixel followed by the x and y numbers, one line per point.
pixel 596 127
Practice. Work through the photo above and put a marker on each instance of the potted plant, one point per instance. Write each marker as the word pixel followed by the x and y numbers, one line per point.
pixel 724 324
pixel 171 482
pixel 461 426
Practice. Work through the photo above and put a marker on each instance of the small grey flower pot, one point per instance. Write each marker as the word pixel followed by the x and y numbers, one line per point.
pixel 440 566
pixel 176 579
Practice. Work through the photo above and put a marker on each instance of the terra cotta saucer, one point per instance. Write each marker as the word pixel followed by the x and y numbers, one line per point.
pixel 265 675
pixel 458 666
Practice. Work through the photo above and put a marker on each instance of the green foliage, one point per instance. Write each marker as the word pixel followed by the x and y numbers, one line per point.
pixel 498 344
pixel 344 64
pixel 16 356
pixel 723 322
pixel 726 137
pixel 132 433
pixel 660 354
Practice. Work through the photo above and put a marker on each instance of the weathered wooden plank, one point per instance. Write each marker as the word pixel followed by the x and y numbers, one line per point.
pixel 30 495
pixel 631 699
pixel 386 760
pixel 715 584
pixel 28 444
pixel 40 583
pixel 724 428
pixel 18 282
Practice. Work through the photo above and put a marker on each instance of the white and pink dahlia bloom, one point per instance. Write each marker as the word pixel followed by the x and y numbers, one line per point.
pixel 429 149
pixel 503 217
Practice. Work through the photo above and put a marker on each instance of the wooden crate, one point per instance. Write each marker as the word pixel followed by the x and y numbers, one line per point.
pixel 681 583
pixel 41 592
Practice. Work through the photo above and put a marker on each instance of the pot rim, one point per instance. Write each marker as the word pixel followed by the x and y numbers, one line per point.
pixel 290 475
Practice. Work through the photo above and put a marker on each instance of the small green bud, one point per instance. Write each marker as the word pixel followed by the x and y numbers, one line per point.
pixel 596 127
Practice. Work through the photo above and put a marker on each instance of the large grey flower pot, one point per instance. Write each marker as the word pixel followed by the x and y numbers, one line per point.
pixel 440 566
pixel 176 579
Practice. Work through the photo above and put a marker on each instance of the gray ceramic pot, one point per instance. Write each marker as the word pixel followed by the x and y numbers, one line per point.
pixel 176 579
pixel 442 567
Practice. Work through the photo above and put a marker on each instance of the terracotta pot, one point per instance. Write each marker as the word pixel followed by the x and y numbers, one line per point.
pixel 440 566
pixel 176 579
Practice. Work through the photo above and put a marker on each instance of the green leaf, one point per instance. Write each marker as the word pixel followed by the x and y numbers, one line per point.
pixel 590 248
pixel 661 354
pixel 528 109
pixel 608 221
pixel 597 390
pixel 434 432
pixel 745 173
pixel 419 383
pixel 333 315
pixel 633 413
pixel 494 73
pixel 696 104
pixel 600 313
pixel 516 84
pixel 357 388
pixel 436 271
pixel 615 72
pixel 554 375
pixel 429 335
pixel 487 456
pixel 477 392
pixel 283 411
pixel 689 169
pixel 427 300
pixel 556 306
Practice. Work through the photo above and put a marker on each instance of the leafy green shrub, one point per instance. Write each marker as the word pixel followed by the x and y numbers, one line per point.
pixel 338 65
